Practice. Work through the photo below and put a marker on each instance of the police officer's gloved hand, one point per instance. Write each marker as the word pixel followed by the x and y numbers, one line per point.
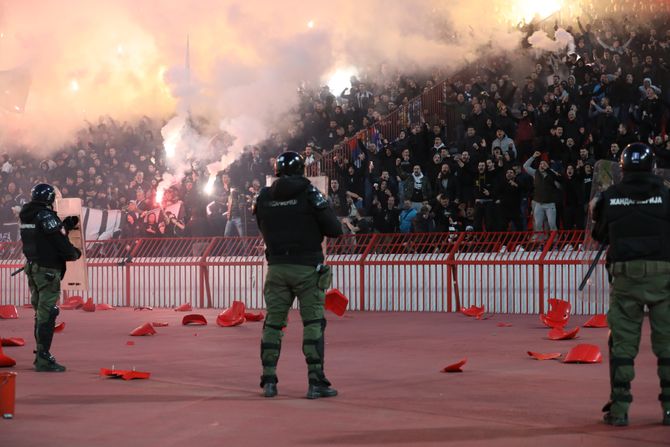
pixel 70 222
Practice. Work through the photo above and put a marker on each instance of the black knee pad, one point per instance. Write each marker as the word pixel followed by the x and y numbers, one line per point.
pixel 53 313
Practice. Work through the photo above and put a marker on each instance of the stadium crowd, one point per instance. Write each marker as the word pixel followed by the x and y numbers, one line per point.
pixel 509 151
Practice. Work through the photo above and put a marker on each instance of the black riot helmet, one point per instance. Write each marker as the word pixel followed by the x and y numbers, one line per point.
pixel 637 157
pixel 289 163
pixel 43 193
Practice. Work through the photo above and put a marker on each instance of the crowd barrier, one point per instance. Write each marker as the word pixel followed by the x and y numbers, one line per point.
pixel 437 272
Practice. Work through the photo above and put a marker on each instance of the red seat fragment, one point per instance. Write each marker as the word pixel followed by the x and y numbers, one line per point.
pixel 250 316
pixel 194 319
pixel 9 312
pixel 104 306
pixel 145 329
pixel 584 353
pixel 597 321
pixel 558 315
pixel 159 324
pixel 336 302
pixel 473 311
pixel 124 374
pixel 543 356
pixel 559 333
pixel 59 327
pixel 233 316
pixel 186 307
pixel 89 306
pixel 74 301
pixel 5 360
pixel 14 341
pixel 455 367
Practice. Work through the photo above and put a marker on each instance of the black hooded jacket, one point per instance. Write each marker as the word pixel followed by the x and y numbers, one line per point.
pixel 293 217
pixel 44 239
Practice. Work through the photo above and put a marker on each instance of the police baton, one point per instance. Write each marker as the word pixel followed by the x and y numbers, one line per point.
pixel 16 272
pixel 592 267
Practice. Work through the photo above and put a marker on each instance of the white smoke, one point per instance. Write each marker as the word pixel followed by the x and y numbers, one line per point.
pixel 562 42
pixel 246 57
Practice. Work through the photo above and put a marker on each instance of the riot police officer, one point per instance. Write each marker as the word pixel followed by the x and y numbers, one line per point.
pixel 46 248
pixel 294 217
pixel 633 217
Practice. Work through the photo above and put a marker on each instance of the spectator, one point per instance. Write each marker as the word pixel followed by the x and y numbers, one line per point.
pixel 546 193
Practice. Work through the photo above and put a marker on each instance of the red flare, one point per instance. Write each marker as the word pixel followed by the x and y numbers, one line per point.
pixel 473 311
pixel 124 374
pixel 89 306
pixel 560 334
pixel 59 327
pixel 186 307
pixel 5 360
pixel 543 356
pixel 597 321
pixel 250 316
pixel 336 302
pixel 233 316
pixel 9 312
pixel 15 341
pixel 194 319
pixel 455 367
pixel 145 329
pixel 584 353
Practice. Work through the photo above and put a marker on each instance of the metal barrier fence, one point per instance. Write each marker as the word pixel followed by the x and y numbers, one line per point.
pixel 440 272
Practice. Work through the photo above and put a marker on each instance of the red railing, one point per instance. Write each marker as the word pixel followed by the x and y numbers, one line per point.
pixel 505 272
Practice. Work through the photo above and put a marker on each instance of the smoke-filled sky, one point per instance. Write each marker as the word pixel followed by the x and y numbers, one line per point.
pixel 125 58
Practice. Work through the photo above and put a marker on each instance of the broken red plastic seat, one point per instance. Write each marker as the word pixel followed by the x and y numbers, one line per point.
pixel 159 324
pixel 558 315
pixel 455 367
pixel 194 319
pixel 5 360
pixel 250 316
pixel 584 353
pixel 75 301
pixel 9 312
pixel 104 306
pixel 144 308
pixel 145 329
pixel 560 333
pixel 336 302
pixel 233 316
pixel 13 341
pixel 59 327
pixel 124 374
pixel 186 307
pixel 544 356
pixel 473 311
pixel 89 306
pixel 599 320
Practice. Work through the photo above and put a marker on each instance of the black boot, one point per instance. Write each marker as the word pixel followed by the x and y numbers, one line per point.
pixel 320 387
pixel 270 390
pixel 45 362
pixel 269 385
pixel 317 391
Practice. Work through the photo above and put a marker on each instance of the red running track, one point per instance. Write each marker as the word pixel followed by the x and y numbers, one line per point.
pixel 204 385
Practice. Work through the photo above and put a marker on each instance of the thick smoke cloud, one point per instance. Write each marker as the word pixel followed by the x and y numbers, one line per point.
pixel 126 58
